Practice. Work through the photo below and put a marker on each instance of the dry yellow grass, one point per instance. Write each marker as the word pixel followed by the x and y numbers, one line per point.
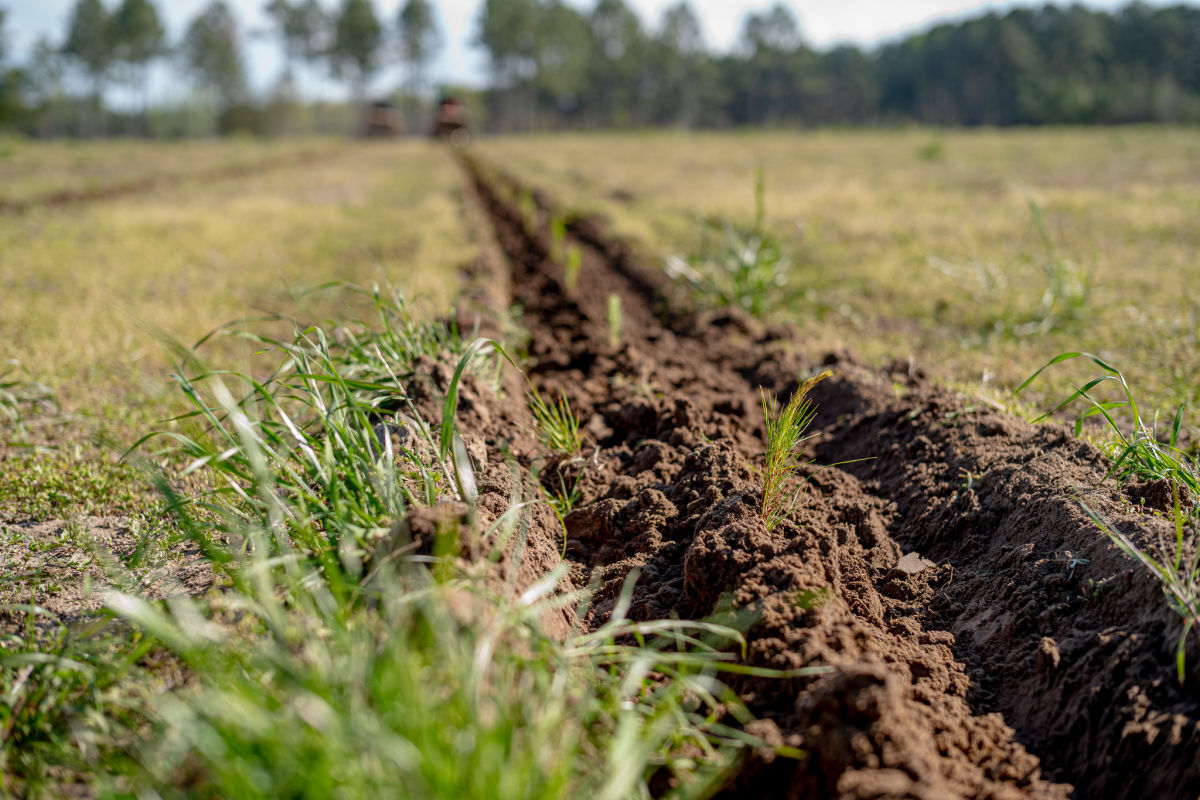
pixel 31 170
pixel 89 288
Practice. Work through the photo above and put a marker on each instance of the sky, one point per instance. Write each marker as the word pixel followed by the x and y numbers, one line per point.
pixel 864 22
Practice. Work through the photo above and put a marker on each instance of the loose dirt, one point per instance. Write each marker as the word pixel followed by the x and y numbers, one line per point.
pixel 984 638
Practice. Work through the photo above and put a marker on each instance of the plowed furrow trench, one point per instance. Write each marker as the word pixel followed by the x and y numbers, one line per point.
pixel 943 580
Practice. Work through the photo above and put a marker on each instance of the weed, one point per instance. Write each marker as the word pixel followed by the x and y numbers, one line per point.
pixel 616 321
pixel 1061 305
pixel 785 431
pixel 57 483
pixel 745 269
pixel 22 398
pixel 933 150
pixel 1172 567
pixel 1138 454
pixel 557 424
pixel 1065 298
pixel 303 452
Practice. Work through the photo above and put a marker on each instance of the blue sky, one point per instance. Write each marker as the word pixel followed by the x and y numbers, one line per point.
pixel 865 22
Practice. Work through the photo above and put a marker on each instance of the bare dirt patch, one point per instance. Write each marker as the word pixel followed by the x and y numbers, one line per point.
pixel 64 567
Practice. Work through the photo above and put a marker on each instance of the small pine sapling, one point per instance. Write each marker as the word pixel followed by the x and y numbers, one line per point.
pixel 785 431
pixel 574 261
pixel 616 321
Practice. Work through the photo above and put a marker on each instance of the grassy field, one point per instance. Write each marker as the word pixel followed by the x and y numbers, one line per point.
pixel 927 244
pixel 31 171
pixel 979 255
pixel 94 289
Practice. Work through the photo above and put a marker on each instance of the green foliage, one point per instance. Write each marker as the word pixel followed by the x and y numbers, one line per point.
pixel 1176 567
pixel 302 28
pixel 21 401
pixel 55 484
pixel 211 51
pixel 420 39
pixel 1026 66
pixel 933 150
pixel 408 697
pixel 1059 300
pixel 312 449
pixel 137 33
pixel 571 267
pixel 324 667
pixel 357 39
pixel 1064 301
pixel 61 690
pixel 87 39
pixel 1137 453
pixel 557 424
pixel 746 267
pixel 785 431
pixel 1135 450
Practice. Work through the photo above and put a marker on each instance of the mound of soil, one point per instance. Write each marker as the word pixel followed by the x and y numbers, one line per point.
pixel 983 637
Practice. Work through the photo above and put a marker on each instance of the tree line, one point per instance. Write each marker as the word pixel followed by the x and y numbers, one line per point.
pixel 105 47
pixel 552 65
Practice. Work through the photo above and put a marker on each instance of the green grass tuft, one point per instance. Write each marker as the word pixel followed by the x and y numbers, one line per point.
pixel 557 424
pixel 1137 452
pixel 745 268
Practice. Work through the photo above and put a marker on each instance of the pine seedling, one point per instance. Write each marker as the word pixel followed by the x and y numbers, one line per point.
pixel 785 431
pixel 616 321
pixel 558 426
pixel 529 209
pixel 558 238
pixel 574 260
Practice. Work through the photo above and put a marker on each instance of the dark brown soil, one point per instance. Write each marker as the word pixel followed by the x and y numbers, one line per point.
pixel 985 639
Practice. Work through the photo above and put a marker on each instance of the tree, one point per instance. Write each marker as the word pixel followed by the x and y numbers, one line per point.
pixel 562 54
pixel 776 68
pixel 11 82
pixel 89 44
pixel 776 30
pixel 212 54
pixel 357 37
pixel 137 38
pixel 506 31
pixel 302 29
pixel 420 40
pixel 46 75
pixel 618 62
pixel 682 65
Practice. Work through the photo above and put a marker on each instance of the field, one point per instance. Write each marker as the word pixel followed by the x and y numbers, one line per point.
pixel 608 528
